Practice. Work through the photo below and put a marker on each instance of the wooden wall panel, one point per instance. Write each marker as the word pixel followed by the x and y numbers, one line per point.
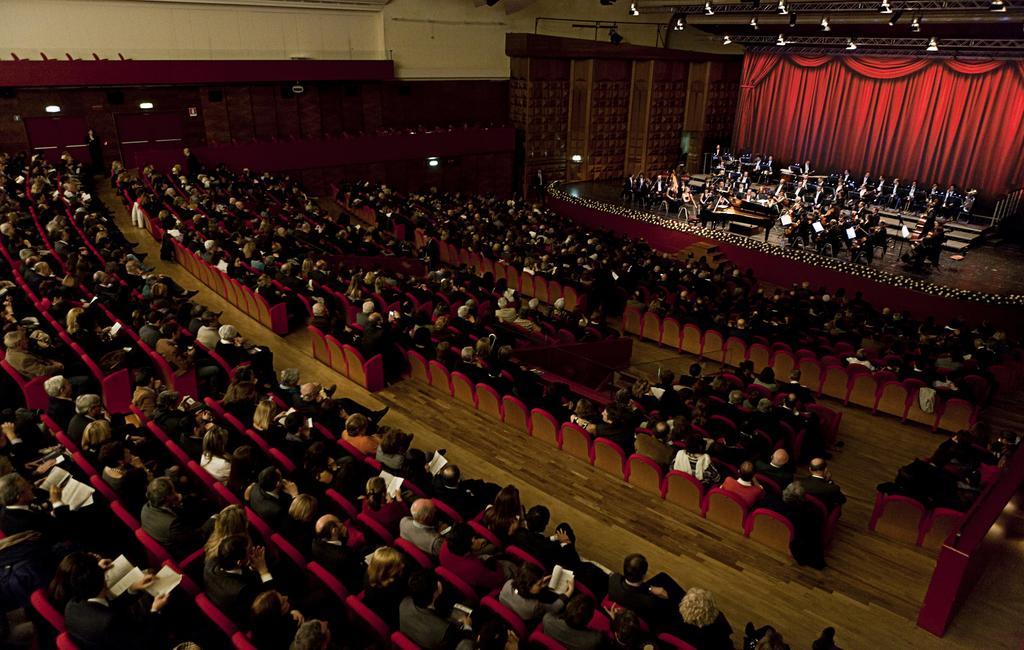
pixel 668 101
pixel 639 117
pixel 578 136
pixel 310 124
pixel 240 112
pixel 215 116
pixel 609 116
pixel 287 113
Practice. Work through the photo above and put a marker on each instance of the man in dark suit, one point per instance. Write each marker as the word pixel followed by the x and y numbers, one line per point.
pixel 88 408
pixel 61 407
pixel 271 496
pixel 331 550
pixel 237 576
pixel 449 488
pixel 778 469
pixel 98 621
pixel 421 616
pixel 20 514
pixel 820 484
pixel 164 521
pixel 656 601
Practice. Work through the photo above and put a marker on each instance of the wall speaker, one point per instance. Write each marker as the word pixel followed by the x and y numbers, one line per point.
pixel 215 96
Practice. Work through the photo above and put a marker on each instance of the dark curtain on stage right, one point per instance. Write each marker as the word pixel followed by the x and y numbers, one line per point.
pixel 934 120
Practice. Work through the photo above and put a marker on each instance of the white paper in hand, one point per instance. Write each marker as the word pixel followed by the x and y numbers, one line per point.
pixel 121 575
pixel 851 233
pixel 222 266
pixel 560 580
pixel 394 484
pixel 817 226
pixel 164 582
pixel 437 463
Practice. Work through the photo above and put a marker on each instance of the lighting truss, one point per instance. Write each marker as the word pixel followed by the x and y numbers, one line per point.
pixel 897 46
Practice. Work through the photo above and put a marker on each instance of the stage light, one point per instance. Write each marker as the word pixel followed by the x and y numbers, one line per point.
pixel 997 6
pixel 782 8
pixel 826 26
pixel 850 45
pixel 792 20
pixel 145 105
pixel 781 40
pixel 726 40
pixel 933 45
pixel 576 158
pixel 433 162
pixel 680 24
pixel 633 11
pixel 52 108
pixel 895 17
pixel 753 22
pixel 915 25
pixel 885 7
pixel 708 9
pixel 614 36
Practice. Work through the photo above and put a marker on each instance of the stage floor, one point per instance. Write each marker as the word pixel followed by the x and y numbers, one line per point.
pixel 993 268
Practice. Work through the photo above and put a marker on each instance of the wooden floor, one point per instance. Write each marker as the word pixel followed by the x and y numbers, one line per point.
pixel 870 593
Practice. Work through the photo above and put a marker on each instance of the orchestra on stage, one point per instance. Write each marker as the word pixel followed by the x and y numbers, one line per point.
pixel 835 213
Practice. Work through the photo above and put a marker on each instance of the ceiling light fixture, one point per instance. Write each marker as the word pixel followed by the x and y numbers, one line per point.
pixel 826 26
pixel 915 25
pixel 782 9
pixel 753 22
pixel 145 105
pixel 708 9
pixel 998 6
pixel 633 11
pixel 726 40
pixel 933 45
pixel 680 24
pixel 781 40
pixel 52 108
pixel 885 7
pixel 895 17
pixel 850 45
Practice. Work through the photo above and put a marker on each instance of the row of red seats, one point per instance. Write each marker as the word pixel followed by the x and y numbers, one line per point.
pixel 854 384
pixel 908 520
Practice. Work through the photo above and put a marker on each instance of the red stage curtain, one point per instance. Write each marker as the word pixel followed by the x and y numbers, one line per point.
pixel 937 121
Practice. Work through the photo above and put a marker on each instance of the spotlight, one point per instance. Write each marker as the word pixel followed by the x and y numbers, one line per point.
pixel 680 24
pixel 826 26
pixel 726 40
pixel 782 9
pixel 145 105
pixel 433 162
pixel 753 22
pixel 633 11
pixel 708 9
pixel 895 17
pixel 915 25
pixel 998 6
pixel 850 45
pixel 781 40
pixel 792 20
pixel 933 45
pixel 614 36
pixel 52 108
pixel 885 7
pixel 576 158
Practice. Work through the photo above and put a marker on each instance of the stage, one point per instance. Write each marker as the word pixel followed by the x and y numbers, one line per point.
pixel 996 269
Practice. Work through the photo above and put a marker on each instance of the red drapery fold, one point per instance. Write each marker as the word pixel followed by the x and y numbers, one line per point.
pixel 936 121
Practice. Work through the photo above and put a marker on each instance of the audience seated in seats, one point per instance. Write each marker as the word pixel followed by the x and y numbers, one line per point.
pixel 819 484
pixel 96 620
pixel 569 627
pixel 505 515
pixel 807 543
pixel 61 408
pixel 312 635
pixel 237 575
pixel 420 527
pixel 271 496
pixel 777 468
pixel 386 510
pixel 701 624
pixel 88 408
pixel 449 487
pixel 457 555
pixel 298 527
pixel 272 622
pixel 357 435
pixel 386 577
pixel 333 548
pixel 745 486
pixel 527 594
pixel 165 520
pixel 424 614
pixel 695 461
pixel 215 458
pixel 655 601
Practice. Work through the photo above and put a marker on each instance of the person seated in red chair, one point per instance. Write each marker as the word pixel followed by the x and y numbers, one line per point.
pixel 457 555
pixel 820 484
pixel 746 486
pixel 655 600
pixel 425 614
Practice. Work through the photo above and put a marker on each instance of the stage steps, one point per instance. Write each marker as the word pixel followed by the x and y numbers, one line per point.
pixel 702 249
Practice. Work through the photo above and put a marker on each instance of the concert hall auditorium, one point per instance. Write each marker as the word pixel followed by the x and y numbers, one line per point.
pixel 512 324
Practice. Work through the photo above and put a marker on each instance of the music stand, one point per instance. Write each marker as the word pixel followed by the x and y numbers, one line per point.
pixel 904 236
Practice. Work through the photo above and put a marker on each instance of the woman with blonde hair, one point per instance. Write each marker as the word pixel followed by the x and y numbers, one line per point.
pixel 229 521
pixel 703 625
pixel 71 323
pixel 264 415
pixel 298 527
pixel 385 583
pixel 95 434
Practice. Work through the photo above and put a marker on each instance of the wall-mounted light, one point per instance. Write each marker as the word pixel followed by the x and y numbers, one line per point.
pixel 433 162
pixel 52 108
pixel 576 158
pixel 726 40
pixel 145 105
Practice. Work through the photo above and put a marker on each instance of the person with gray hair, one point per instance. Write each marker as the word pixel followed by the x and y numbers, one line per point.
pixel 28 364
pixel 314 634
pixel 21 514
pixel 163 519
pixel 363 317
pixel 61 407
pixel 807 545
pixel 88 408
pixel 420 527
pixel 234 349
